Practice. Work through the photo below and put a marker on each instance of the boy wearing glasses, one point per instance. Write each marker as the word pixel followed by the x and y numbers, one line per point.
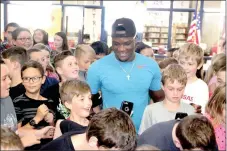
pixel 33 110
pixel 8 116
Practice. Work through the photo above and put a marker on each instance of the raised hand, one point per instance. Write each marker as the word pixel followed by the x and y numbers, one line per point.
pixel 49 133
pixel 49 118
pixel 42 111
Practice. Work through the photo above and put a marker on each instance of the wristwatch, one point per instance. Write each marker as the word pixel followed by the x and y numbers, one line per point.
pixel 32 123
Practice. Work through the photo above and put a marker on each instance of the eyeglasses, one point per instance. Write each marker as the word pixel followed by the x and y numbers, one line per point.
pixel 24 39
pixel 28 79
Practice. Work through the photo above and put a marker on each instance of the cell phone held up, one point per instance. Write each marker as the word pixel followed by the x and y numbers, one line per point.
pixel 180 115
pixel 127 107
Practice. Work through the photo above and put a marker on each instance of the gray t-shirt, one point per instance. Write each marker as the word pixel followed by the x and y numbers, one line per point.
pixel 160 136
pixel 8 115
pixel 156 112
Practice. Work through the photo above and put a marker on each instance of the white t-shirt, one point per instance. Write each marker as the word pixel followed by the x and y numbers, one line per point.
pixel 197 93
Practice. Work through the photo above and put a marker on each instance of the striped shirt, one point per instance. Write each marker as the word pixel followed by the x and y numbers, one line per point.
pixel 26 109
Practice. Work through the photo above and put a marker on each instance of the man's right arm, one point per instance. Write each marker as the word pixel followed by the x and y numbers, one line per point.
pixel 96 102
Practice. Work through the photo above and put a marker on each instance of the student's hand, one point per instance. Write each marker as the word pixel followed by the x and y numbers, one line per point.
pixel 42 111
pixel 49 133
pixel 49 118
pixel 46 132
pixel 196 107
pixel 29 140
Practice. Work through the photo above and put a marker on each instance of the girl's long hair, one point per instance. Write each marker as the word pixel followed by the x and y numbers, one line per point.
pixel 218 62
pixel 45 37
pixel 216 105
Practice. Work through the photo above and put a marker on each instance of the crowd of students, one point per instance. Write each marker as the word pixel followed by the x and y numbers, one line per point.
pixel 66 99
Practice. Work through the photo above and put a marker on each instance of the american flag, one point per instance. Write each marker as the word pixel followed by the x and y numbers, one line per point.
pixel 194 35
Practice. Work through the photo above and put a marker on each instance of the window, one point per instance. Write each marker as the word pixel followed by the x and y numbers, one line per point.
pixel 111 14
pixel 93 2
pixel 157 18
pixel 211 28
pixel 33 3
pixel 180 24
pixel 79 2
pixel 212 4
pixel 71 2
pixel 157 4
pixel 56 2
pixel 92 23
pixel 32 17
pixel 73 22
pixel 156 28
pixel 213 24
pixel 184 4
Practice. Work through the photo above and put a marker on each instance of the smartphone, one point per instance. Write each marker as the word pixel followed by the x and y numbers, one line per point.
pixel 180 115
pixel 127 107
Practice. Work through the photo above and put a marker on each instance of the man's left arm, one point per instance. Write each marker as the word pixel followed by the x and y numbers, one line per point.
pixel 156 93
pixel 157 96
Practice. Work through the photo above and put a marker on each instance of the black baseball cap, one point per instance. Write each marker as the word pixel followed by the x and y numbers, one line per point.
pixel 123 27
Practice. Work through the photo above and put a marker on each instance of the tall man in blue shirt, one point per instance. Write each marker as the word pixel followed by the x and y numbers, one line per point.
pixel 125 75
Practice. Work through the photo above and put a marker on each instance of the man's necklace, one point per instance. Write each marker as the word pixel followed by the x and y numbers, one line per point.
pixel 127 73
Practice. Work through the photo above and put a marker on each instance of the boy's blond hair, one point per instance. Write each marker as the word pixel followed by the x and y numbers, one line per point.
pixel 191 50
pixel 174 72
pixel 70 88
pixel 84 49
pixel 10 140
